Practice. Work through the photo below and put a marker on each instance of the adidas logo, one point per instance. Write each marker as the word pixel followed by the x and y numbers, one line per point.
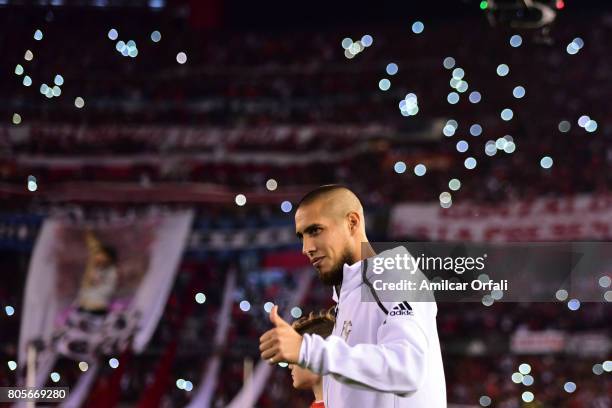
pixel 401 309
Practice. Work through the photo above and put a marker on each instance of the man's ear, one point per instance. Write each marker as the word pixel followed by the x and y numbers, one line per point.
pixel 353 220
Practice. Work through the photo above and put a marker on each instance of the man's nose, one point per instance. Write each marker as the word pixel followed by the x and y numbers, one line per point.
pixel 308 247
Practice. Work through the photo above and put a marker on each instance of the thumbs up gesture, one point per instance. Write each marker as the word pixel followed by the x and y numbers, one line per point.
pixel 281 343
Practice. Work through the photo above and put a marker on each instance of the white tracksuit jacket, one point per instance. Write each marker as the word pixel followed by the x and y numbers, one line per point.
pixel 374 359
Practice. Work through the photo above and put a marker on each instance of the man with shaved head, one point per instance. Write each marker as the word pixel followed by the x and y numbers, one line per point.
pixel 380 354
pixel 331 218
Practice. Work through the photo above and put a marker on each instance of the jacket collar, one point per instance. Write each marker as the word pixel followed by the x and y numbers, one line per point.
pixel 351 278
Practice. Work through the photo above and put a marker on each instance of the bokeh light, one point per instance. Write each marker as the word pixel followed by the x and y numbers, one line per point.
pixel 458 73
pixel 399 167
pixel 155 36
pixel 569 387
pixel 296 312
pixel 572 48
pixel 490 148
pixel 445 197
pixel 271 184
pixel 448 63
pixel 245 305
pixel 573 304
pixel 418 27
pixel 420 170
pixel 286 206
pixel 181 57
pixel 484 401
pixel 518 92
pixel 516 41
pixel 503 70
pixel 597 369
pixel 546 162
pixel 524 368
pixel 240 200
pixel 392 68
pixel 367 40
pixel 475 130
pixel 507 114
pixel 527 396
pixel 462 86
pixel 564 126
pixel 448 130
pixel 32 184
pixel 454 184
pixel 112 34
pixel 475 97
pixel 591 126
pixel 583 120
pixel 561 295
pixel 384 84
pixel 113 362
pixel 200 298
pixel 579 42
pixel 462 146
pixel 470 163
pixel 510 147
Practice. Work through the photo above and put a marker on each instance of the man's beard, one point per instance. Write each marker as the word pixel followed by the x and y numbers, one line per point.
pixel 334 276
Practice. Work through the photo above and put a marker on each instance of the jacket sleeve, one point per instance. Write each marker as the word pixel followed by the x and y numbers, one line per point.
pixel 396 364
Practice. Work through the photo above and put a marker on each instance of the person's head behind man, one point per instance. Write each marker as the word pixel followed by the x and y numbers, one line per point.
pixel 330 223
pixel 323 325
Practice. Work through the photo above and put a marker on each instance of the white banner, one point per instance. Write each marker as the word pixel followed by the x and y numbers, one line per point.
pixel 91 289
pixel 251 391
pixel 204 394
pixel 586 344
pixel 545 219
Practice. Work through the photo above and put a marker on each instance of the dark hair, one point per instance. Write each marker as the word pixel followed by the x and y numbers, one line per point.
pixel 319 192
pixel 321 323
pixel 111 253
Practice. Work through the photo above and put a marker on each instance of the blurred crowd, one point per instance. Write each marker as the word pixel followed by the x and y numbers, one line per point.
pixel 311 115
pixel 250 106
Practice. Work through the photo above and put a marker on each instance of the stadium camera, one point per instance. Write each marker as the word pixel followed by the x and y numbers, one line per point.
pixel 520 14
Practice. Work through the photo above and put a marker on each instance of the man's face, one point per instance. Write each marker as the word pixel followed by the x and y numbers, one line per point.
pixel 326 241
pixel 303 379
